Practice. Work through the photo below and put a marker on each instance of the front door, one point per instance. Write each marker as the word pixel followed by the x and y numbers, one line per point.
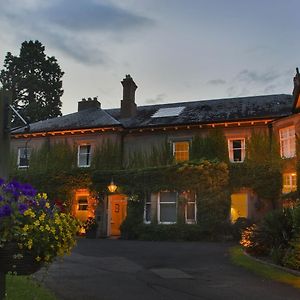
pixel 118 212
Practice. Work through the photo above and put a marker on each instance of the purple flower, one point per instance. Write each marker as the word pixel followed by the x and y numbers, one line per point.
pixel 22 207
pixel 1 181
pixel 1 198
pixel 5 211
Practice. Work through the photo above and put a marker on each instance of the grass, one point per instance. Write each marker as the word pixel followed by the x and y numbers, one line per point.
pixel 24 288
pixel 239 258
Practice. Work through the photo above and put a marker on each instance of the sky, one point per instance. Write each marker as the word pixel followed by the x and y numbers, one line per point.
pixel 175 50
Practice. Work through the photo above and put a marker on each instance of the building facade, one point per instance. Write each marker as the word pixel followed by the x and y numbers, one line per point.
pixel 171 127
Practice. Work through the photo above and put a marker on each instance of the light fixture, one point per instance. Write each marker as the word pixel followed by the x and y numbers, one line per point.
pixel 112 187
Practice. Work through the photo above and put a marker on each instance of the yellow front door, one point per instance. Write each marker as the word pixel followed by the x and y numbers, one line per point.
pixel 239 206
pixel 118 212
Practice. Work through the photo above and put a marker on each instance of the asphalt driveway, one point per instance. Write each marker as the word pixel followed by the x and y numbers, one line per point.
pixel 135 270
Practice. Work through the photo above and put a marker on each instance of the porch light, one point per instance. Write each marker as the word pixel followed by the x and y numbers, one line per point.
pixel 112 187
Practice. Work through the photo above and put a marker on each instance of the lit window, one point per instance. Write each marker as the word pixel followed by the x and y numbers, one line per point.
pixel 83 203
pixel 84 155
pixel 289 183
pixel 190 208
pixel 147 211
pixel 181 151
pixel 167 207
pixel 23 157
pixel 236 149
pixel 287 142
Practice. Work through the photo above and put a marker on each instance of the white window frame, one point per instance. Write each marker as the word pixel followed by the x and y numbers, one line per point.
pixel 290 187
pixel 194 201
pixel 231 149
pixel 288 142
pixel 182 141
pixel 86 204
pixel 87 153
pixel 158 207
pixel 147 202
pixel 19 157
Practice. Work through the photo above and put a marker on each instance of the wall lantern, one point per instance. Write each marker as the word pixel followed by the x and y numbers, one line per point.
pixel 112 187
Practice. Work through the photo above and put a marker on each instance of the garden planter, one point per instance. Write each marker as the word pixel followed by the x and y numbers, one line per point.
pixel 10 260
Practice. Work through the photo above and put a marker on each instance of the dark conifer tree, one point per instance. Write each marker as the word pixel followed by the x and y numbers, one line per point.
pixel 35 82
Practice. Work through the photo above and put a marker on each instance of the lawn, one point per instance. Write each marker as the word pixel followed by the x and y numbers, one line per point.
pixel 25 288
pixel 239 258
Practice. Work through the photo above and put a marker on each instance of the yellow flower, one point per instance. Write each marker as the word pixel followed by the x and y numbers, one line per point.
pixel 37 258
pixel 41 228
pixel 25 228
pixel 37 223
pixel 47 205
pixel 47 227
pixel 42 217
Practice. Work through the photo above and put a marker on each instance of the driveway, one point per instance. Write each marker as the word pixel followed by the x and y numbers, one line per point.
pixel 136 270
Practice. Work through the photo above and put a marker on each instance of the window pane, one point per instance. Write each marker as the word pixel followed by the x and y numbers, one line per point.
pixel 237 155
pixel 168 197
pixel 148 212
pixel 237 144
pixel 168 212
pixel 24 155
pixel 190 211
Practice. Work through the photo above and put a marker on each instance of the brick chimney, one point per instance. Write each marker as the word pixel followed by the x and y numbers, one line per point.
pixel 88 103
pixel 128 106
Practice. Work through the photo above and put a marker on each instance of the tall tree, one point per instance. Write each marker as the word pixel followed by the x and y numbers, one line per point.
pixel 35 82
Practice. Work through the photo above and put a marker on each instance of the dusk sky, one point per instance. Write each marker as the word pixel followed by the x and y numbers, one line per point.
pixel 174 50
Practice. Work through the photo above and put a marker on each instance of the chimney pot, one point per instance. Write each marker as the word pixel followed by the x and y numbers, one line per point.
pixel 91 103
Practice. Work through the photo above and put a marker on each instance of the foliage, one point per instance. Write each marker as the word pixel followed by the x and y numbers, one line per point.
pixel 28 219
pixel 130 226
pixel 90 226
pixel 25 288
pixel 107 156
pixel 239 226
pixel 35 81
pixel 210 147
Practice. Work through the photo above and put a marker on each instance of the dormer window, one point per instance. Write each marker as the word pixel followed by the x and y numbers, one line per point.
pixel 236 148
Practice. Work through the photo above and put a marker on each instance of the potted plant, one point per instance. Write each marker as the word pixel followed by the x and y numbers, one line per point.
pixel 33 231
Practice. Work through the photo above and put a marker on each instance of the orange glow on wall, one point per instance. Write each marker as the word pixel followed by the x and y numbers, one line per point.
pixel 83 206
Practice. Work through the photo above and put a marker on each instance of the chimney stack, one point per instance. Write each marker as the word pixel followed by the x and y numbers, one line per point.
pixel 128 106
pixel 89 103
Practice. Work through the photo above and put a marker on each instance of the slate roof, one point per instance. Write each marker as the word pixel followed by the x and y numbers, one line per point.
pixel 210 111
pixel 195 112
pixel 88 118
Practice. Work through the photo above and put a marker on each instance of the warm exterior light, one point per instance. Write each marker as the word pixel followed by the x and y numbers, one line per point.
pixel 112 187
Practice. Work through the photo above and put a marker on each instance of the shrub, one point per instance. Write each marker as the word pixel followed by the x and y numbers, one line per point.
pixel 239 226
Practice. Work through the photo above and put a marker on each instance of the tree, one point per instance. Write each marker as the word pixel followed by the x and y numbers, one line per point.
pixel 35 82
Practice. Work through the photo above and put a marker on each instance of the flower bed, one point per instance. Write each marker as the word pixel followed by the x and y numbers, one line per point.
pixel 33 225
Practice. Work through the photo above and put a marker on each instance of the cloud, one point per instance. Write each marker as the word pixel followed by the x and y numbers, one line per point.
pixel 216 82
pixel 158 99
pixel 82 29
pixel 256 77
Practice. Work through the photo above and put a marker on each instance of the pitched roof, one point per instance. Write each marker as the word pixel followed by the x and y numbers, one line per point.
pixel 208 111
pixel 88 118
pixel 194 112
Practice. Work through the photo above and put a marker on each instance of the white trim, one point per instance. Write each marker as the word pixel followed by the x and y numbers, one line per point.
pixel 87 153
pixel 145 211
pixel 158 207
pixel 231 149
pixel 19 157
pixel 191 221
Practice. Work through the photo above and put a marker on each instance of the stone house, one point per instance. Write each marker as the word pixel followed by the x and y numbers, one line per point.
pixel 138 128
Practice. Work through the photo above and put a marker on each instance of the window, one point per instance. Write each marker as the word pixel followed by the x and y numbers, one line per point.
pixel 169 112
pixel 167 207
pixel 289 183
pixel 84 155
pixel 236 149
pixel 190 208
pixel 23 157
pixel 83 203
pixel 147 211
pixel 181 150
pixel 287 142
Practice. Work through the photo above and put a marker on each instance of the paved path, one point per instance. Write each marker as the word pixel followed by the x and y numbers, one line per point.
pixel 134 270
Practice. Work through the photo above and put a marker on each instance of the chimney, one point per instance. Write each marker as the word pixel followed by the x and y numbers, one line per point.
pixel 88 104
pixel 128 106
pixel 296 90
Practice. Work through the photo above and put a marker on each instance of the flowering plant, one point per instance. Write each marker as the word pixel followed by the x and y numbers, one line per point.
pixel 29 220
